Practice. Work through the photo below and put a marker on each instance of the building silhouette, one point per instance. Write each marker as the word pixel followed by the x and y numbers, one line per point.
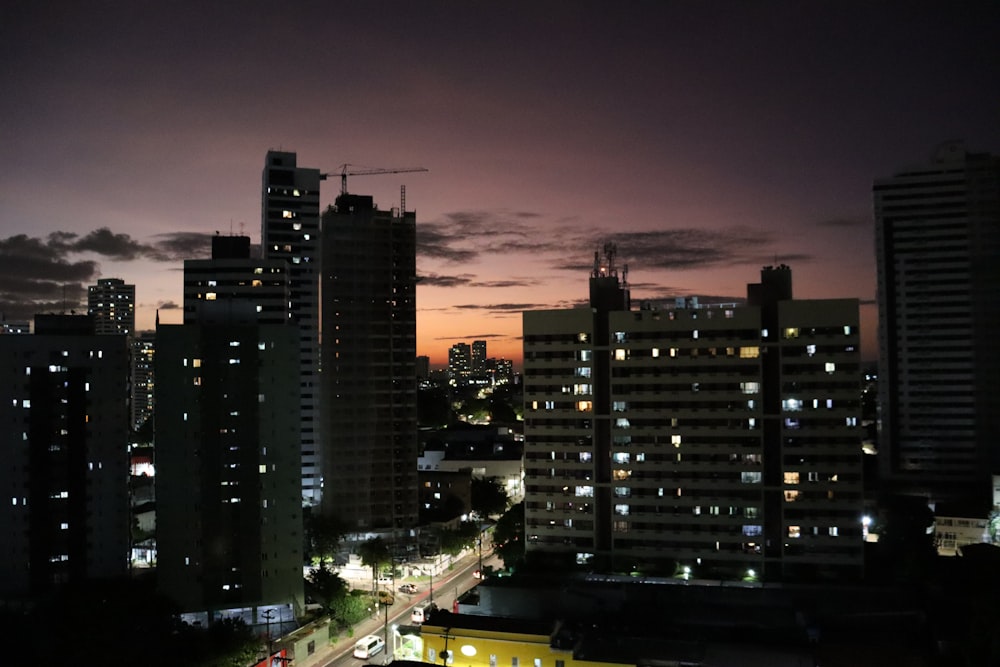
pixel 723 439
pixel 478 357
pixel 290 231
pixel 65 515
pixel 143 391
pixel 459 361
pixel 369 365
pixel 229 517
pixel 112 304
pixel 937 244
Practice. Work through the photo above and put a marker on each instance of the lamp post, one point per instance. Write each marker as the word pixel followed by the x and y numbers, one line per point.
pixel 267 614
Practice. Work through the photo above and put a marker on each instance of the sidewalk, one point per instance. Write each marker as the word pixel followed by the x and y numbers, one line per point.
pixel 326 651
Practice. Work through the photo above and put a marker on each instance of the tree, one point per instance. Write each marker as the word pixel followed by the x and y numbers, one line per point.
pixel 326 586
pixel 351 609
pixel 453 541
pixel 489 497
pixel 508 535
pixel 324 534
pixel 374 553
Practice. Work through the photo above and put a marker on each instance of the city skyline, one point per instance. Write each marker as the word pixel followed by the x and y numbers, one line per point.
pixel 706 141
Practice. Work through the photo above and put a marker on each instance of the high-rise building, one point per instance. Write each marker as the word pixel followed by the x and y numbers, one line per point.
pixel 63 403
pixel 937 243
pixel 369 365
pixel 143 378
pixel 229 511
pixel 234 276
pixel 478 357
pixel 290 231
pixel 459 361
pixel 112 304
pixel 718 438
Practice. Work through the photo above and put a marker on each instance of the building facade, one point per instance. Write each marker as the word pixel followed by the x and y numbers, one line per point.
pixel 65 515
pixel 229 520
pixel 143 390
pixel 722 439
pixel 937 241
pixel 290 231
pixel 369 365
pixel 112 304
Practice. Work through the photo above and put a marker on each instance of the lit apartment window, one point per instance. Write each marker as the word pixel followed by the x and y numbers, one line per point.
pixel 749 352
pixel 795 531
pixel 750 387
pixel 621 510
pixel 792 478
pixel 287 215
pixel 620 354
pixel 585 492
pixel 830 367
pixel 655 352
pixel 210 296
pixel 791 496
pixel 834 531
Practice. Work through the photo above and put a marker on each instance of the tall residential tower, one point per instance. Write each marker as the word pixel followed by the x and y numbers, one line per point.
pixel 369 365
pixel 937 243
pixel 719 438
pixel 290 231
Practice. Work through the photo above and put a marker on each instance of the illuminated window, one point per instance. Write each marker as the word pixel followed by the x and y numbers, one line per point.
pixel 210 296
pixel 791 404
pixel 792 332
pixel 675 440
pixel 791 496
pixel 655 352
pixel 622 475
pixel 673 352
pixel 810 350
pixel 792 478
pixel 834 531
pixel 583 337
pixel 830 367
pixel 584 406
pixel 621 354
pixel 749 352
pixel 287 215
pixel 750 477
pixel 196 363
pixel 795 531
pixel 750 387
pixel 620 457
pixel 585 492
pixel 619 406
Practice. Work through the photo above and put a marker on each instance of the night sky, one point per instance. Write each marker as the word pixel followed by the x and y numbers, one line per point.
pixel 706 139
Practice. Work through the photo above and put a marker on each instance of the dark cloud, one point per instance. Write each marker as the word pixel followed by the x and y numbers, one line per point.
pixel 505 283
pixel 50 274
pixel 167 305
pixel 178 246
pixel 468 337
pixel 501 307
pixel 436 280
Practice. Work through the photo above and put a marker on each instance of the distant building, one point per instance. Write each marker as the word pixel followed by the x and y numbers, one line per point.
pixel 937 243
pixel 64 406
pixel 112 304
pixel 369 380
pixel 15 327
pixel 724 439
pixel 459 361
pixel 143 378
pixel 478 357
pixel 229 519
pixel 290 231
pixel 423 367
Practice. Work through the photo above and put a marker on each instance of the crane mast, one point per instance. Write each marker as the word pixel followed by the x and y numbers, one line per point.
pixel 344 170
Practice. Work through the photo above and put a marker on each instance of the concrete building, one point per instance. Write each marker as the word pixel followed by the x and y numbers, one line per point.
pixel 143 391
pixel 290 231
pixel 459 361
pixel 478 357
pixel 233 275
pixel 937 241
pixel 112 304
pixel 369 380
pixel 229 518
pixel 724 439
pixel 64 406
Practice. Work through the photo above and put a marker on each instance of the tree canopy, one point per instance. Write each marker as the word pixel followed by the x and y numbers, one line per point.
pixel 489 497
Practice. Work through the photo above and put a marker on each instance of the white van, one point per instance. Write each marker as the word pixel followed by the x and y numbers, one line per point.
pixel 421 613
pixel 368 646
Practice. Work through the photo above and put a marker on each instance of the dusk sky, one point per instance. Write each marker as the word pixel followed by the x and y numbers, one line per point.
pixel 707 139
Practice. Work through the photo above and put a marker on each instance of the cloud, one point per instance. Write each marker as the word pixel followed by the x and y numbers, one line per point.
pixel 501 307
pixel 436 280
pixel 167 305
pixel 46 274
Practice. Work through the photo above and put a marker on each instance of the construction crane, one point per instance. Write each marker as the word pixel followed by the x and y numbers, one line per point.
pixel 345 171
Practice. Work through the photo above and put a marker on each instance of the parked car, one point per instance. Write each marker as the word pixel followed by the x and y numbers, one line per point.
pixel 410 589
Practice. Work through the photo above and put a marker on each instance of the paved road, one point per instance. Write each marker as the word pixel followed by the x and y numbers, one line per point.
pixel 447 589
